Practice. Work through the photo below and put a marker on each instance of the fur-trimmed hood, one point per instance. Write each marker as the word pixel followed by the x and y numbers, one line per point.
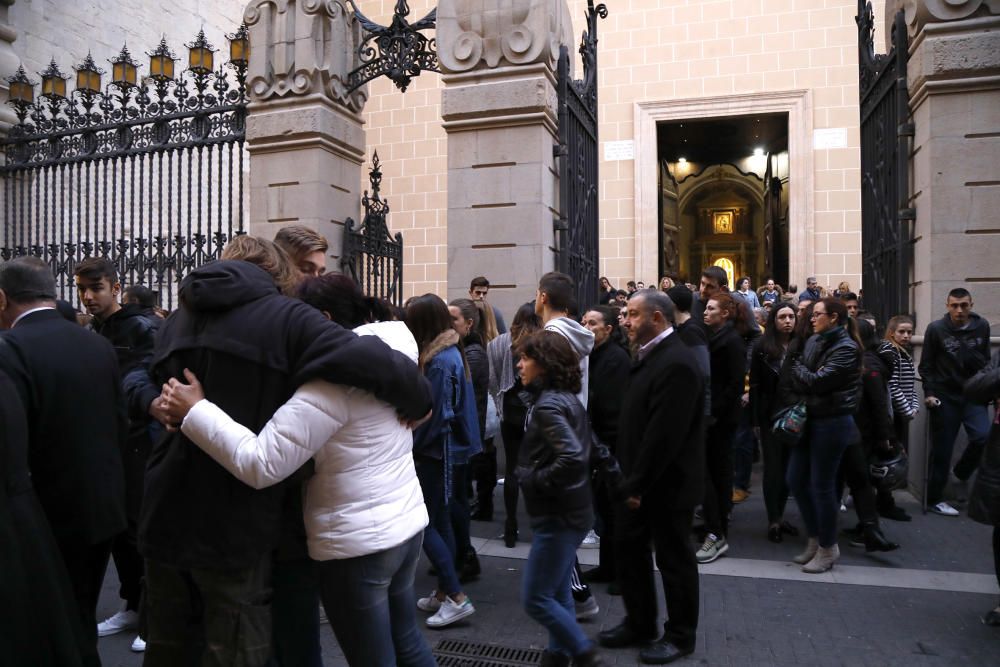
pixel 444 340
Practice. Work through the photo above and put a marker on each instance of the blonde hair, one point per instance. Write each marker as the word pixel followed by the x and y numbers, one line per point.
pixel 487 322
pixel 299 241
pixel 266 255
pixel 893 324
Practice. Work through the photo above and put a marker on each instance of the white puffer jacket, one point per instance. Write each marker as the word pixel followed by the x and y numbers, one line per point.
pixel 364 497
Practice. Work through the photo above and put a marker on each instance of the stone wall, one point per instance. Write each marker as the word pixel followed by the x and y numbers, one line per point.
pixel 648 51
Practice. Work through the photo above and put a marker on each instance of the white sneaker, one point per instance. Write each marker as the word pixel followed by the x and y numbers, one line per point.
pixel 120 622
pixel 500 481
pixel 713 547
pixel 450 612
pixel 138 645
pixel 944 509
pixel 429 603
pixel 843 507
pixel 591 541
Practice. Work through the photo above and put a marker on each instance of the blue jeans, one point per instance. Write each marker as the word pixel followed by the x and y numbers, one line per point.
pixel 371 606
pixel 945 422
pixel 439 541
pixel 545 588
pixel 812 473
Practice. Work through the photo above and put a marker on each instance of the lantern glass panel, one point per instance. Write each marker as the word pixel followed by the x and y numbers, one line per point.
pixel 22 91
pixel 237 49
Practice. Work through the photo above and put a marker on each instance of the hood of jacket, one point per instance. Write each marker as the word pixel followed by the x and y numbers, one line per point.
pixel 579 336
pixel 394 334
pixel 444 340
pixel 225 284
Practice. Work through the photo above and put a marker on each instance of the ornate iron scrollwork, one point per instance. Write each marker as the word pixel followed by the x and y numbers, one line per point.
pixel 372 256
pixel 588 52
pixel 398 51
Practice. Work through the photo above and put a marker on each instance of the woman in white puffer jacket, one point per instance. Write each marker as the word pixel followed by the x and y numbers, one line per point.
pixel 364 511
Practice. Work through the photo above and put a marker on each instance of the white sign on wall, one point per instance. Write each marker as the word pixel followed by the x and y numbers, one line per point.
pixel 615 151
pixel 830 137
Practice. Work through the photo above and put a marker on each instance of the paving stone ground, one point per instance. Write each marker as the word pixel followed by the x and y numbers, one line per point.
pixel 753 621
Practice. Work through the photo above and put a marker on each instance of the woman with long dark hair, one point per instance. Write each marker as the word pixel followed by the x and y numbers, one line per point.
pixel 451 434
pixel 727 353
pixel 505 386
pixel 554 473
pixel 765 372
pixel 828 376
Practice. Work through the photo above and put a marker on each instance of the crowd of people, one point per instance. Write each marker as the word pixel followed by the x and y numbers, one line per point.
pixel 283 443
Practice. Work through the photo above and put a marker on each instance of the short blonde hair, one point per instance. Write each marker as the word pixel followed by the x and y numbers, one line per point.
pixel 266 255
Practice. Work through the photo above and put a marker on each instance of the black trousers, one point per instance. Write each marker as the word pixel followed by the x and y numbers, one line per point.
pixel 668 531
pixel 718 477
pixel 513 434
pixel 996 551
pixel 483 471
pixel 129 565
pixel 854 471
pixel 86 564
pixel 776 455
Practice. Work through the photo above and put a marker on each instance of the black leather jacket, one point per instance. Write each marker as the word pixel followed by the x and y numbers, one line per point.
pixel 829 374
pixel 554 463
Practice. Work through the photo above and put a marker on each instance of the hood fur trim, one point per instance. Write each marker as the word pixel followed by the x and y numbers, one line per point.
pixel 444 340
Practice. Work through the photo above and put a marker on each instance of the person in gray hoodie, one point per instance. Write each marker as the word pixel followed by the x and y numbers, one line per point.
pixel 552 304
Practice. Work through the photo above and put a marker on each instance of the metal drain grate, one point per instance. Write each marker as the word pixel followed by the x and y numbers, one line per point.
pixel 462 653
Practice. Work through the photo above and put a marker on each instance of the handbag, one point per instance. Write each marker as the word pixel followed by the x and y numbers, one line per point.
pixel 492 419
pixel 790 424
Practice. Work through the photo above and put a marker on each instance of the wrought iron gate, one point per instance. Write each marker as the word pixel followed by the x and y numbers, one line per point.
pixel 577 228
pixel 371 255
pixel 148 173
pixel 886 216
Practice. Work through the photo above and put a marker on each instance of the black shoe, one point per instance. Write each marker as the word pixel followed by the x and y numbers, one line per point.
pixel 662 653
pixel 598 576
pixel 895 514
pixel 483 511
pixel 774 533
pixel 614 589
pixel 876 541
pixel 471 568
pixel 621 636
pixel 789 529
pixel 992 618
pixel 510 534
pixel 589 659
pixel 550 659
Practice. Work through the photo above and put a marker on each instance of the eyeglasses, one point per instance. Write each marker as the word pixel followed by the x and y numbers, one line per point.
pixel 817 313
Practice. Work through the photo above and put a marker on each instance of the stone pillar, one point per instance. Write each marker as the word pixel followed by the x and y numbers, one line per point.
pixel 955 166
pixel 499 108
pixel 305 133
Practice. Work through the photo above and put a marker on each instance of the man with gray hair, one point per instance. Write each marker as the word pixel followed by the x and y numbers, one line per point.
pixel 661 448
pixel 67 378
pixel 812 291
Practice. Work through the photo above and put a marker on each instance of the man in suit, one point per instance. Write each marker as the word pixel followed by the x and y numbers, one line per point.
pixel 68 380
pixel 661 451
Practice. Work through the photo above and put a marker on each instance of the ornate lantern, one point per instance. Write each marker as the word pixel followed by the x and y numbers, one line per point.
pixel 124 70
pixel 161 62
pixel 239 46
pixel 53 82
pixel 200 55
pixel 22 89
pixel 88 77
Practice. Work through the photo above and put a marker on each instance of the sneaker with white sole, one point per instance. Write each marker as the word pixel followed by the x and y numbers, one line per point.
pixel 587 607
pixel 122 620
pixel 712 548
pixel 138 645
pixel 591 541
pixel 429 603
pixel 450 612
pixel 944 509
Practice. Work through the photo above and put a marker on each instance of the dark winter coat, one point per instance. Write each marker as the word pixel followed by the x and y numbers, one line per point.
pixel 984 501
pixel 727 352
pixel 479 369
pixel 68 381
pixel 764 376
pixel 554 461
pixel 661 432
pixel 39 617
pixel 609 370
pixel 829 374
pixel 251 348
pixel 951 355
pixel 874 414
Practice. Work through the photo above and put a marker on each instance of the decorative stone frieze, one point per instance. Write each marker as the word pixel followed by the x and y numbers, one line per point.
pixel 475 34
pixel 301 48
pixel 919 13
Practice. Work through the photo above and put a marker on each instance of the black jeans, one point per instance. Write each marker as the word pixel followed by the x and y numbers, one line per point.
pixel 668 532
pixel 513 434
pixel 996 551
pixel 208 617
pixel 483 471
pixel 606 525
pixel 854 473
pixel 718 477
pixel 776 455
pixel 128 564
pixel 458 510
pixel 86 565
pixel 295 614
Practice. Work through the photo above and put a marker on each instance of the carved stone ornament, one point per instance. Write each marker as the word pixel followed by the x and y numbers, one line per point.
pixel 472 33
pixel 303 47
pixel 919 13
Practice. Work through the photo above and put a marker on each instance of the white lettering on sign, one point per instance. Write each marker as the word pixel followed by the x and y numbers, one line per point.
pixel 830 137
pixel 615 151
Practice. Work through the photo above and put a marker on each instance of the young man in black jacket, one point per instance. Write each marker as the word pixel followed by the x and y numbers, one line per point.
pixel 956 347
pixel 130 331
pixel 661 449
pixel 211 541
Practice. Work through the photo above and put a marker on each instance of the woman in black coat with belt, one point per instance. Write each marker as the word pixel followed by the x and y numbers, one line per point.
pixel 554 473
pixel 984 501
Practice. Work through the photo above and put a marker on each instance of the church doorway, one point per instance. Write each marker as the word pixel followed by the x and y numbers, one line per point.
pixel 723 197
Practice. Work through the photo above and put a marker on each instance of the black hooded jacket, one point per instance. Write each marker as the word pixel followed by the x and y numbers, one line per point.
pixel 251 348
pixel 951 355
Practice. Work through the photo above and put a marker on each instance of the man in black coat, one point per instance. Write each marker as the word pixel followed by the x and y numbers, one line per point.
pixel 68 381
pixel 131 332
pixel 661 451
pixel 211 541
